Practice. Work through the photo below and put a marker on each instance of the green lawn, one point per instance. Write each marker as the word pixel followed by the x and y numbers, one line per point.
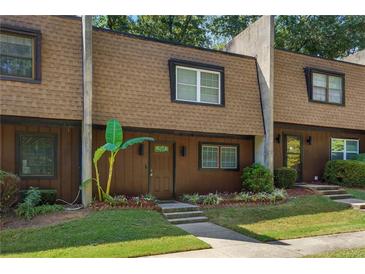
pixel 357 193
pixel 110 233
pixel 299 217
pixel 342 253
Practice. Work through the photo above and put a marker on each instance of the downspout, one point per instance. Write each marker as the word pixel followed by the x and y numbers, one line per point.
pixel 86 141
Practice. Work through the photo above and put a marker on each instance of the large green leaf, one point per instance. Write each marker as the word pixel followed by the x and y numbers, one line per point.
pixel 134 141
pixel 98 153
pixel 110 147
pixel 114 132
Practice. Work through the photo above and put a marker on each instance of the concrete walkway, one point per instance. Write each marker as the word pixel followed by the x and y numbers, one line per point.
pixel 226 243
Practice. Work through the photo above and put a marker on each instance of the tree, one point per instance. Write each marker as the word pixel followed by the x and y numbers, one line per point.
pixel 189 29
pixel 325 36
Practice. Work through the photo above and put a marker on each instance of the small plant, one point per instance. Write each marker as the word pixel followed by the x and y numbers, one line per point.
pixel 114 143
pixel 120 200
pixel 149 198
pixel 191 198
pixel 257 178
pixel 285 177
pixel 212 199
pixel 9 188
pixel 45 209
pixel 279 195
pixel 242 196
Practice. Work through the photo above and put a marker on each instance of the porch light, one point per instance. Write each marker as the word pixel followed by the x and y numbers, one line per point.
pixel 141 149
pixel 278 138
pixel 309 140
pixel 183 151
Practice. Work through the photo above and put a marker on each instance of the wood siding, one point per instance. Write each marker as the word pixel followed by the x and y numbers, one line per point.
pixel 131 169
pixel 314 156
pixel 67 177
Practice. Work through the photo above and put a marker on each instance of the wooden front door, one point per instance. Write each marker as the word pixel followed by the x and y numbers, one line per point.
pixel 293 153
pixel 162 169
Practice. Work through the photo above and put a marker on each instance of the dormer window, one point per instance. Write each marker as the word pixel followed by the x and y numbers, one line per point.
pixel 325 86
pixel 196 83
pixel 19 54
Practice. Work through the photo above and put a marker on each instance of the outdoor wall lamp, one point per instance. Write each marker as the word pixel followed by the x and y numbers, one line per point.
pixel 309 140
pixel 278 138
pixel 141 149
pixel 183 151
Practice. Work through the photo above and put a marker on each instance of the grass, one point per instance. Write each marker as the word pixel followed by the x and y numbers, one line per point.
pixel 106 234
pixel 299 217
pixel 342 253
pixel 357 193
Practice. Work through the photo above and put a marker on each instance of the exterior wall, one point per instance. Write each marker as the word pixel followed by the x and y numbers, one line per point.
pixel 258 40
pixel 291 104
pixel 132 84
pixel 358 57
pixel 317 154
pixel 59 95
pixel 131 169
pixel 67 178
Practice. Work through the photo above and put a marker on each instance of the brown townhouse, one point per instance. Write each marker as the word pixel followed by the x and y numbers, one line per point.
pixel 212 113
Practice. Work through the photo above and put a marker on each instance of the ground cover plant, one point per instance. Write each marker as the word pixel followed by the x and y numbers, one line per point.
pixel 107 233
pixel 146 201
pixel 215 199
pixel 303 216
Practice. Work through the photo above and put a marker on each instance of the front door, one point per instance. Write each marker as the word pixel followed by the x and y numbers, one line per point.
pixel 161 169
pixel 293 154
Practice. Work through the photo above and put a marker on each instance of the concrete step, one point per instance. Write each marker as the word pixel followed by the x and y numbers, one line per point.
pixel 188 220
pixel 323 187
pixel 177 207
pixel 339 196
pixel 332 192
pixel 183 214
pixel 355 203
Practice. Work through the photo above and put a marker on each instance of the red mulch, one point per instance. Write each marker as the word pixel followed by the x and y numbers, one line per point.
pixel 299 191
pixel 11 221
pixel 131 205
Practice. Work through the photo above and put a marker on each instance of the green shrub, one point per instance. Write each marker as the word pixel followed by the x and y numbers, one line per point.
pixel 257 178
pixel 345 172
pixel 9 188
pixel 31 200
pixel 285 177
pixel 48 196
pixel 191 198
pixel 26 211
pixel 212 199
pixel 360 157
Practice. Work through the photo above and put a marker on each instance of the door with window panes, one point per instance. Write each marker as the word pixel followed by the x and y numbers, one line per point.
pixel 293 154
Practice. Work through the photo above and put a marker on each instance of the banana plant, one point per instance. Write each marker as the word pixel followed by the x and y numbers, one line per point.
pixel 114 143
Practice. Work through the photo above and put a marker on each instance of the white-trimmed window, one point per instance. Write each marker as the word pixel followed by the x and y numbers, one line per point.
pixel 198 85
pixel 344 149
pixel 210 156
pixel 229 157
pixel 219 156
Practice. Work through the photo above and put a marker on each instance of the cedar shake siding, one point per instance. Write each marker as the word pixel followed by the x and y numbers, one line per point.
pixel 131 170
pixel 315 153
pixel 59 93
pixel 291 102
pixel 132 84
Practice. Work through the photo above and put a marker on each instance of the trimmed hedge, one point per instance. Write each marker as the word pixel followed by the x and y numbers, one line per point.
pixel 48 196
pixel 360 157
pixel 257 178
pixel 285 177
pixel 345 172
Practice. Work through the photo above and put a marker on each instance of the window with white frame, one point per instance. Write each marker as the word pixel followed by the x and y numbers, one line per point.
pixel 344 149
pixel 198 85
pixel 219 156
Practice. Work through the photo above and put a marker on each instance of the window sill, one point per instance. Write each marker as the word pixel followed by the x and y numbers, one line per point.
pixel 18 79
pixel 326 103
pixel 197 103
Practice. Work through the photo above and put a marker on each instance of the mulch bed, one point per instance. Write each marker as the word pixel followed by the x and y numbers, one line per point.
pixel 299 191
pixel 11 221
pixel 131 205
